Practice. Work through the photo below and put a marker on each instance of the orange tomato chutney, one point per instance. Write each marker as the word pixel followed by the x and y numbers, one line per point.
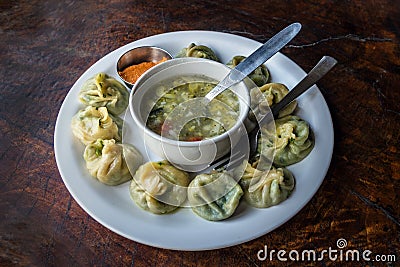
pixel 132 73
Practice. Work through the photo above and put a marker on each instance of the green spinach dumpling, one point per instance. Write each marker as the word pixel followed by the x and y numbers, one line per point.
pixel 159 187
pixel 205 188
pixel 93 123
pixel 263 189
pixel 259 76
pixel 199 51
pixel 105 91
pixel 107 161
pixel 272 93
pixel 293 141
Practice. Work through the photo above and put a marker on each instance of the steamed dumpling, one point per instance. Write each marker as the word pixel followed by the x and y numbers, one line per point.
pixel 159 187
pixel 108 161
pixel 199 51
pixel 292 141
pixel 104 91
pixel 214 196
pixel 259 76
pixel 263 189
pixel 93 123
pixel 270 94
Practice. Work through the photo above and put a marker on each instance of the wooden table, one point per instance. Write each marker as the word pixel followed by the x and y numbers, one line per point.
pixel 46 45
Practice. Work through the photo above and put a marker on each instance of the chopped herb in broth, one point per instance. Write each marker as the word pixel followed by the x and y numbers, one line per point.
pixel 222 112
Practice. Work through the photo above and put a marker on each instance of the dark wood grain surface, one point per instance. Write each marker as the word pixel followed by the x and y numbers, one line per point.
pixel 46 45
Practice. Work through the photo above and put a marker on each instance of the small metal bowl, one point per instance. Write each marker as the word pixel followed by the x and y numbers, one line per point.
pixel 139 55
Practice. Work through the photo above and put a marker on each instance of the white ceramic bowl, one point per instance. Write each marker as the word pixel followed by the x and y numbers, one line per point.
pixel 190 156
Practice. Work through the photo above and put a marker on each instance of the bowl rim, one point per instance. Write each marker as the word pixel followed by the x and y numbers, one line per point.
pixel 175 62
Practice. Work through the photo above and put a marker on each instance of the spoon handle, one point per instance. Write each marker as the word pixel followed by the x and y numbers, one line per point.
pixel 323 66
pixel 267 50
pixel 258 57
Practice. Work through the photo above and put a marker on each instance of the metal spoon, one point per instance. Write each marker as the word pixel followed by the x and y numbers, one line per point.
pixel 322 67
pixel 258 57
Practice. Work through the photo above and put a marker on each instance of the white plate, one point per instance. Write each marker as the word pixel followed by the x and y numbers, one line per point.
pixel 183 230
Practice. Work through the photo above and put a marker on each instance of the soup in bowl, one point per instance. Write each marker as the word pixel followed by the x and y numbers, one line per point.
pixel 178 123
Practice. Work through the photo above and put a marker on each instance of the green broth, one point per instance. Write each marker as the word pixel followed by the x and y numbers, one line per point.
pixel 222 112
